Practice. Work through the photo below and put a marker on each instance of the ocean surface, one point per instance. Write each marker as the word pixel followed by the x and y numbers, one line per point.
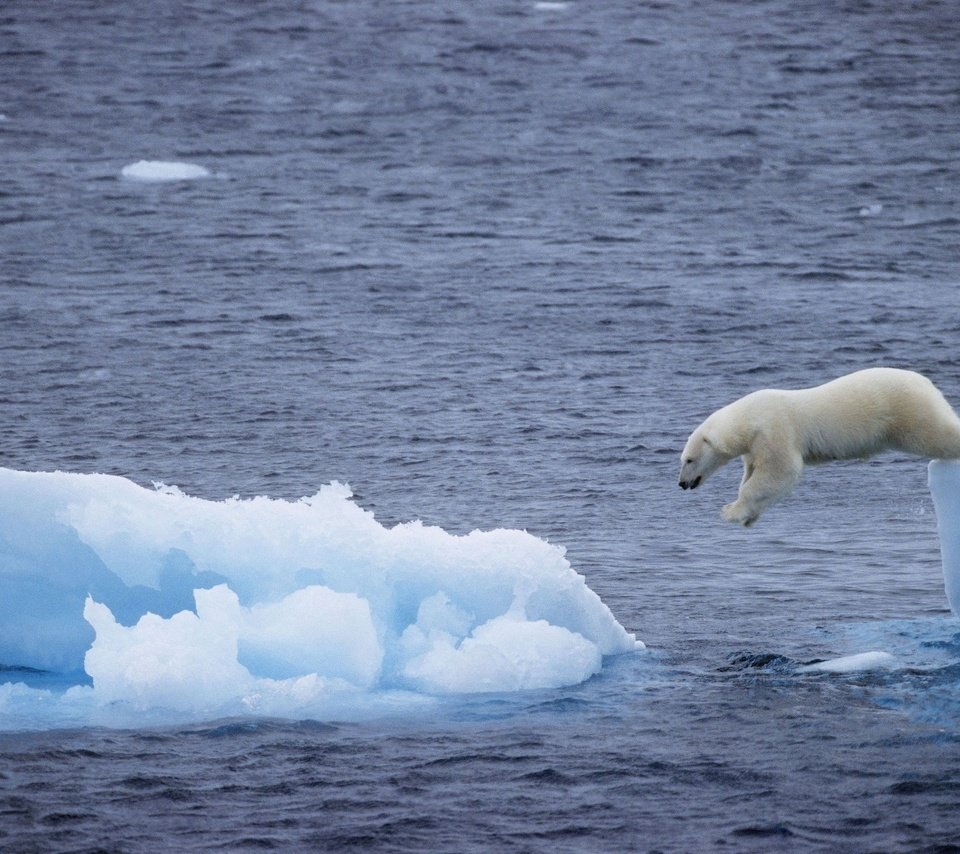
pixel 490 263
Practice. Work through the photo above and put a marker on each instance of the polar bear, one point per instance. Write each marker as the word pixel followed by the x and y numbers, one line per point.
pixel 777 432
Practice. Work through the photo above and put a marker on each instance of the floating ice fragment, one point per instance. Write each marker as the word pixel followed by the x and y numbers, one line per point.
pixel 163 170
pixel 874 660
pixel 871 210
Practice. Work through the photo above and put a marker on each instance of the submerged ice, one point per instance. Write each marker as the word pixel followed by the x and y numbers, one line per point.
pixel 170 601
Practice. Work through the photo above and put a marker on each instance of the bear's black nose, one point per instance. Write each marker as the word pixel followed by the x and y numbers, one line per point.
pixel 683 484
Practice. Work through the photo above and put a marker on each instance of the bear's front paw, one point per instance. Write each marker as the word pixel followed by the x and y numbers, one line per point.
pixel 738 514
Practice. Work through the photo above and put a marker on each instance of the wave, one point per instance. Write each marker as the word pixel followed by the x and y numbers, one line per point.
pixel 162 603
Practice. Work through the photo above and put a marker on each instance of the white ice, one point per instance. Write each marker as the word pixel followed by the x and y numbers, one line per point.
pixel 943 477
pixel 168 601
pixel 163 170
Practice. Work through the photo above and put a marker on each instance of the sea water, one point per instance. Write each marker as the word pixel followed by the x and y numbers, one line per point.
pixel 488 265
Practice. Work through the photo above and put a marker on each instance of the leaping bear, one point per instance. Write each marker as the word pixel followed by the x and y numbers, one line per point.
pixel 777 432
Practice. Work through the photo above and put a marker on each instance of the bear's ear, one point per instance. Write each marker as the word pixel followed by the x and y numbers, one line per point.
pixel 706 441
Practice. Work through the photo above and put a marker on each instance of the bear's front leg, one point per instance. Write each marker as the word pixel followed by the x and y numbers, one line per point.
pixel 740 513
pixel 768 476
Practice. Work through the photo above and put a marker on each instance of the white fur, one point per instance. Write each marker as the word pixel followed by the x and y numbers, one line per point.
pixel 777 432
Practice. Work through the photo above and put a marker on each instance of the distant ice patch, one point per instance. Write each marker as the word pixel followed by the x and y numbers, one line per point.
pixel 171 603
pixel 163 170
pixel 873 660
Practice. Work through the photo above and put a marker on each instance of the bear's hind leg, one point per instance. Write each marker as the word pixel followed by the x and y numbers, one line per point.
pixel 944 444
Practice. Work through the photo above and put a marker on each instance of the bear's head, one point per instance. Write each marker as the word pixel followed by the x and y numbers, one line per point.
pixel 700 459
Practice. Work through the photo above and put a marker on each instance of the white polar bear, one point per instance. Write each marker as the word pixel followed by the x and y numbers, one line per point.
pixel 777 432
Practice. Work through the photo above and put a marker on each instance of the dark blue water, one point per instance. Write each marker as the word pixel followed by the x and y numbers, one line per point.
pixel 490 263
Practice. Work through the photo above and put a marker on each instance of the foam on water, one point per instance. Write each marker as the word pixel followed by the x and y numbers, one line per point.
pixel 163 170
pixel 171 602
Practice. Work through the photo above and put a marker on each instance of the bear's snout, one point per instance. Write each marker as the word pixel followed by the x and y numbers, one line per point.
pixel 684 484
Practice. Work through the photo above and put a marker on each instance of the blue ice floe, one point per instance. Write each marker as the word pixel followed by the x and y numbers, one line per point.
pixel 266 606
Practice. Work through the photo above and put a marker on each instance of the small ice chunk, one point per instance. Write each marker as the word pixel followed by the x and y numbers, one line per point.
pixel 186 662
pixel 313 630
pixel 505 654
pixel 163 170
pixel 873 660
pixel 871 210
pixel 438 613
